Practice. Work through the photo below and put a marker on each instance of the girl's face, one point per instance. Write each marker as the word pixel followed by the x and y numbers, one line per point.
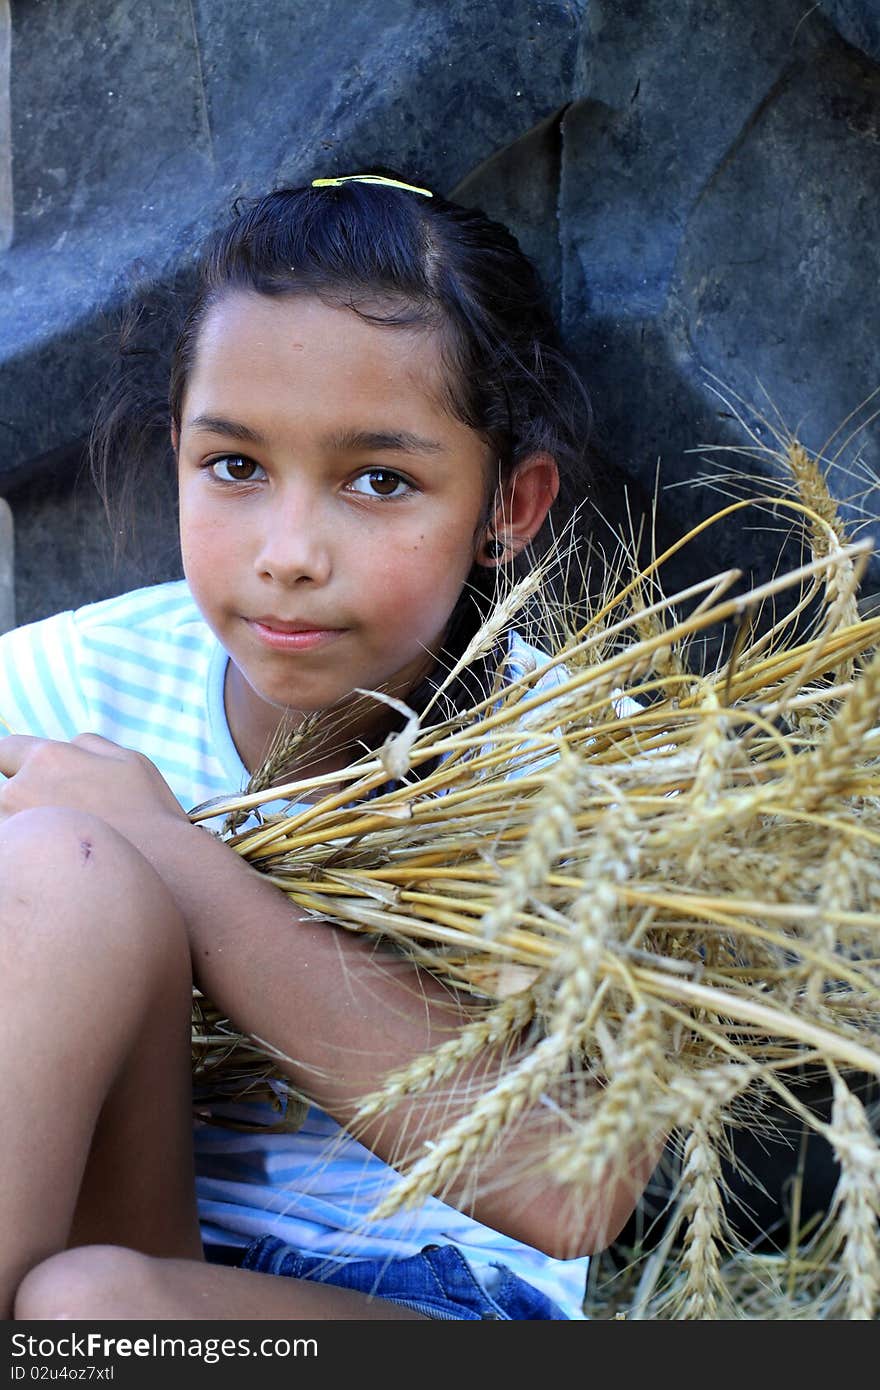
pixel 330 507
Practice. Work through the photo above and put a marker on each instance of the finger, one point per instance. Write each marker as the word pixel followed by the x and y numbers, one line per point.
pixel 97 743
pixel 14 749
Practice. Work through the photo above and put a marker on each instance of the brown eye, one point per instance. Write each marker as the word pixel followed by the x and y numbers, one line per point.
pixel 380 482
pixel 234 469
pixel 384 483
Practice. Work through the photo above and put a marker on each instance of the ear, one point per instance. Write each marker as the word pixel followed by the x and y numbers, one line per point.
pixel 175 438
pixel 519 508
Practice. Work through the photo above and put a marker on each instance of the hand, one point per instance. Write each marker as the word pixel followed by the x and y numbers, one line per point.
pixel 121 787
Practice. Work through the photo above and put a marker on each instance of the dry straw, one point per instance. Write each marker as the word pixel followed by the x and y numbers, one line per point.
pixel 660 881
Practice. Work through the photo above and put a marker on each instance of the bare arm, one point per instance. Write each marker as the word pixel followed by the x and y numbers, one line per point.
pixel 346 1015
pixel 343 1013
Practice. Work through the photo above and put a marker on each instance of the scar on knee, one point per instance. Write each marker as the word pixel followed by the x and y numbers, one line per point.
pixel 85 851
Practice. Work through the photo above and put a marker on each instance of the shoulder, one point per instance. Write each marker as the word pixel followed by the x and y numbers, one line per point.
pixel 159 608
pixel 55 672
pixel 159 629
pixel 39 688
pixel 525 660
pixel 143 657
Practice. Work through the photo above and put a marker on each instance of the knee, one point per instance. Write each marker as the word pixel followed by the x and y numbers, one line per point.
pixel 52 847
pixel 28 835
pixel 90 1281
pixel 58 866
pixel 52 834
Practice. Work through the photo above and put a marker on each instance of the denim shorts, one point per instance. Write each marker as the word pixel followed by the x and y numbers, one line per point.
pixel 438 1282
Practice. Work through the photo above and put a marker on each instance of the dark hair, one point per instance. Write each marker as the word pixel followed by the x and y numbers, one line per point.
pixel 397 257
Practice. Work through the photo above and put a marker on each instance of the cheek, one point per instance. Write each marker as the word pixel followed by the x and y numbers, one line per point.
pixel 202 532
pixel 194 543
pixel 418 583
pixel 206 559
pixel 188 521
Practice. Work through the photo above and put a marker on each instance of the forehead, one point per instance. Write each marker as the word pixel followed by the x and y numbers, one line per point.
pixel 264 349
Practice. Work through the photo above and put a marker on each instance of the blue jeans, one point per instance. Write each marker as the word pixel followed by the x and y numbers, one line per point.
pixel 438 1282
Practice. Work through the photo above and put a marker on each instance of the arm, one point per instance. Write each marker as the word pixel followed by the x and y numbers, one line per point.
pixel 344 1014
pixel 347 1015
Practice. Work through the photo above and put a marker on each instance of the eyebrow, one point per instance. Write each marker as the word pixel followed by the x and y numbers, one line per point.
pixel 343 441
pixel 403 441
pixel 218 424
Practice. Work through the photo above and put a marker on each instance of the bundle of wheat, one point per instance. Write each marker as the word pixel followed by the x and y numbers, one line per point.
pixel 665 879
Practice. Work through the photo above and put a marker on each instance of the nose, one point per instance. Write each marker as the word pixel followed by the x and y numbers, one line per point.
pixel 294 542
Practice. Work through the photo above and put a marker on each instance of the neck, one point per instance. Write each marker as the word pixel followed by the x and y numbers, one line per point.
pixel 328 741
pixel 346 731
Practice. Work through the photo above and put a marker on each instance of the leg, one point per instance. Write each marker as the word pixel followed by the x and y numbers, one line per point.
pixel 95 997
pixel 105 1282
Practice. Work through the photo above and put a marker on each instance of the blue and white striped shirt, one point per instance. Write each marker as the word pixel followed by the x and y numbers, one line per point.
pixel 144 670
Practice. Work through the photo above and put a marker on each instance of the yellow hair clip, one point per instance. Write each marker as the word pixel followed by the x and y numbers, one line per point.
pixel 371 178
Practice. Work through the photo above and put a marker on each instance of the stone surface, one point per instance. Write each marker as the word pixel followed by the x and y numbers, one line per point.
pixel 5 127
pixel 7 567
pixel 698 185
pixel 858 22
pixel 64 549
pixel 719 223
pixel 135 126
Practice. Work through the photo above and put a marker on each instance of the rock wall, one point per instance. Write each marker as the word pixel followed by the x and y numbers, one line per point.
pixel 698 183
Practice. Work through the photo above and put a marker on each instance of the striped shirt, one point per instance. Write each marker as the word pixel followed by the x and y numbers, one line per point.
pixel 144 670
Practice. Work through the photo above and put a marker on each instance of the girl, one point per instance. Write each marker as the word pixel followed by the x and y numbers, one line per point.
pixel 369 412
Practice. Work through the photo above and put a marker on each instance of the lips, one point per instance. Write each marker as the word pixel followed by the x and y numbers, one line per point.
pixel 282 625
pixel 292 635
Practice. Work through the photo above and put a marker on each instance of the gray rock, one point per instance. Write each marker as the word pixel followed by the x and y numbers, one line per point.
pixel 719 225
pixel 698 185
pixel 135 126
pixel 858 22
pixel 7 568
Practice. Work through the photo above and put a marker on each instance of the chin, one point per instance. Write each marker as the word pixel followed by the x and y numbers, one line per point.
pixel 297 700
pixel 304 700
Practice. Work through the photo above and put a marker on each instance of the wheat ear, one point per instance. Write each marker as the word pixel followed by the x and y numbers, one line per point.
pixel 496 1027
pixel 626 1119
pixel 856 1207
pixel 552 830
pixel 827 769
pixel 703 1209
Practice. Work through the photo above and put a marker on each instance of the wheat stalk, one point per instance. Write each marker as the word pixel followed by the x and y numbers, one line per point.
pixel 659 903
